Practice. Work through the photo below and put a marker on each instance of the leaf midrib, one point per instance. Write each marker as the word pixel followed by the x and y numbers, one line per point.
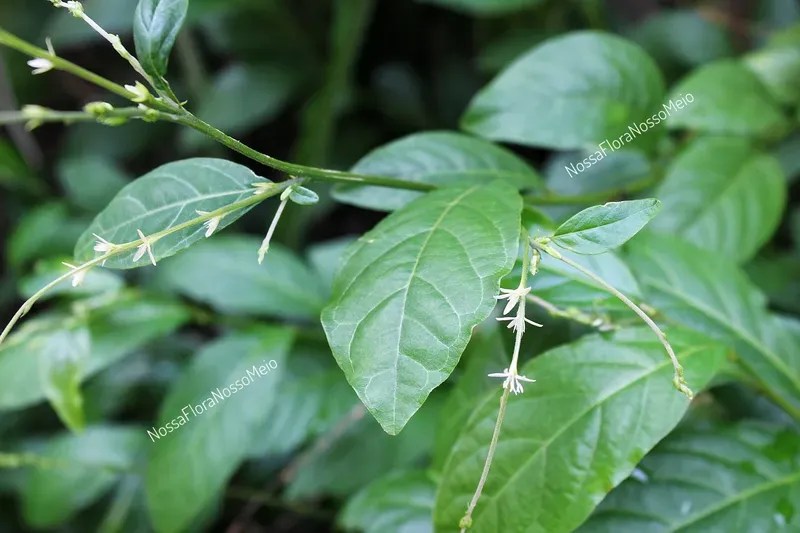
pixel 545 445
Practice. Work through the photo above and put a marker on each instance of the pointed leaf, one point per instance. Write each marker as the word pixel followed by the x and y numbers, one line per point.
pixel 601 228
pixel 570 92
pixel 723 195
pixel 214 410
pixel 693 287
pixel 710 480
pixel 596 409
pixel 439 158
pixel 411 290
pixel 156 24
pixel 164 198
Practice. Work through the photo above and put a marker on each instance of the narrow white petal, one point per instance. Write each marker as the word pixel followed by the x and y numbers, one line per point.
pixel 139 252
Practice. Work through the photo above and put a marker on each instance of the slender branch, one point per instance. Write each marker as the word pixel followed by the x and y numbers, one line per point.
pixel 12 41
pixel 42 114
pixel 466 521
pixel 678 381
pixel 126 247
pixel 297 170
pixel 571 313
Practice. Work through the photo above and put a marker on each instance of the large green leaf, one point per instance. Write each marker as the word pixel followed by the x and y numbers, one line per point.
pixel 710 480
pixel 601 228
pixel 242 97
pixel 214 410
pixel 570 92
pixel 695 288
pixel 156 24
pixel 438 158
pixel 92 463
pixel 164 198
pixel 598 406
pixel 401 502
pixel 91 181
pixel 722 195
pixel 281 286
pixel 116 330
pixel 728 99
pixel 411 290
pixel 61 360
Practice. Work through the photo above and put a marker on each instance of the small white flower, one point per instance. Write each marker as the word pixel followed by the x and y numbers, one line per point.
pixel 77 279
pixel 140 91
pixel 102 245
pixel 211 224
pixel 262 187
pixel 40 65
pixel 512 380
pixel 517 323
pixel 144 247
pixel 513 296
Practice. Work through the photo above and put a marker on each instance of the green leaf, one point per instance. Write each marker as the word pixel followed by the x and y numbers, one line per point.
pixel 92 461
pixel 599 404
pixel 778 68
pixel 164 198
pixel 570 92
pixel 326 258
pixel 737 197
pixel 484 354
pixel 91 181
pixel 283 286
pixel 364 453
pixel 218 428
pixel 242 97
pixel 411 290
pixel 710 480
pixel 787 152
pixel 401 502
pixel 116 330
pixel 695 288
pixel 43 232
pixel 61 362
pixel 439 158
pixel 156 24
pixel 728 99
pixel 485 7
pixel 601 228
pixel 303 196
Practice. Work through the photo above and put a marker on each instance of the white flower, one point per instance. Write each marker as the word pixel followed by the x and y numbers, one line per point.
pixel 102 245
pixel 513 296
pixel 262 187
pixel 77 279
pixel 144 247
pixel 517 323
pixel 40 65
pixel 512 380
pixel 140 91
pixel 211 224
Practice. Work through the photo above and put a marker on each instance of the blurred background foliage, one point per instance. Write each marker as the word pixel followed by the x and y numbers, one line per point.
pixel 319 82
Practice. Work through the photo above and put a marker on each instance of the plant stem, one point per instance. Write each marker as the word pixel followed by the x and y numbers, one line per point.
pixel 51 115
pixel 14 42
pixel 466 522
pixel 297 170
pixel 678 381
pixel 122 248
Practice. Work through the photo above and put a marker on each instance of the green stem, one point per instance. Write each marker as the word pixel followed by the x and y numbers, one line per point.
pixel 679 381
pixel 14 42
pixel 128 246
pixel 50 115
pixel 466 521
pixel 297 170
